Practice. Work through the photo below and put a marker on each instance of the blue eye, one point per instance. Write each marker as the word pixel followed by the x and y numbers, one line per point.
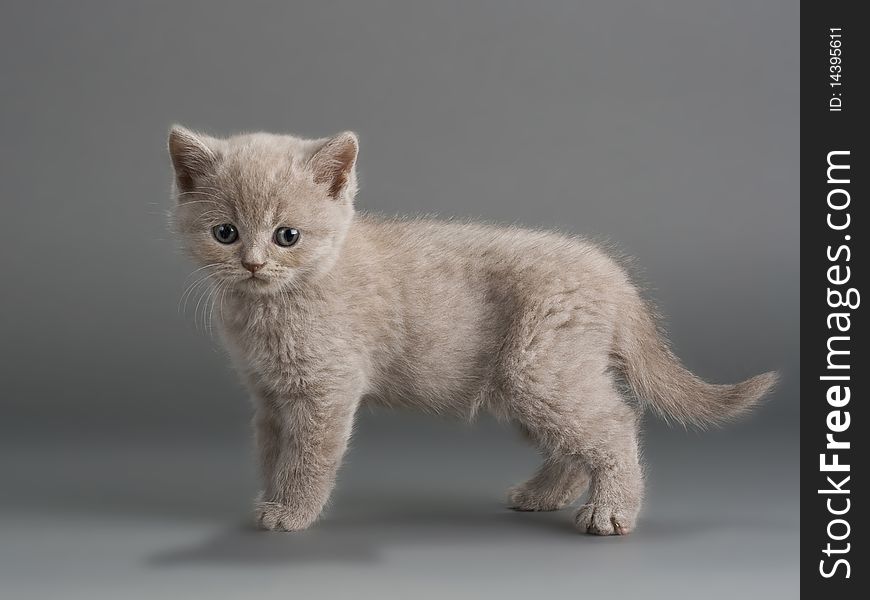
pixel 286 236
pixel 225 233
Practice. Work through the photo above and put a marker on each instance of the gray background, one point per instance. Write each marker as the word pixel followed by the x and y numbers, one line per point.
pixel 125 466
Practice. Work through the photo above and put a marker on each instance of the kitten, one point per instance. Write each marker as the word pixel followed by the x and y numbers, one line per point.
pixel 322 308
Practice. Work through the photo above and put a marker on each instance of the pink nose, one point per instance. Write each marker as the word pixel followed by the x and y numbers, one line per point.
pixel 253 267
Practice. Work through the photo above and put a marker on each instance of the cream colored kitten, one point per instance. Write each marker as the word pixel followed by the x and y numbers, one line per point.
pixel 323 309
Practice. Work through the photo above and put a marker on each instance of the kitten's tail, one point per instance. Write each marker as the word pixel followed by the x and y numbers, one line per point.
pixel 659 379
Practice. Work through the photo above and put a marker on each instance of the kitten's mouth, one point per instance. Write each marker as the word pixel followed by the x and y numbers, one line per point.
pixel 258 283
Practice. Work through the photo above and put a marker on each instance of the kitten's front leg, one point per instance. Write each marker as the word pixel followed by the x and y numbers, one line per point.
pixel 301 442
pixel 267 437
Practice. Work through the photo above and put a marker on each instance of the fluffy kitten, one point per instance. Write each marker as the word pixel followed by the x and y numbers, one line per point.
pixel 322 309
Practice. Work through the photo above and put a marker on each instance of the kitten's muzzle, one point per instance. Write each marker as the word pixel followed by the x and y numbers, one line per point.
pixel 253 267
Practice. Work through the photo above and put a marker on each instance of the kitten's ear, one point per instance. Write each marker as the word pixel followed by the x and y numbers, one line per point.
pixel 333 165
pixel 192 157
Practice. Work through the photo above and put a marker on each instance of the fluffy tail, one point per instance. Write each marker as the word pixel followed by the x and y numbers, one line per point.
pixel 658 378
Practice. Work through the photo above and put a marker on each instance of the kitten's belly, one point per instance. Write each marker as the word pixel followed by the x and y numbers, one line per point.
pixel 436 378
pixel 431 392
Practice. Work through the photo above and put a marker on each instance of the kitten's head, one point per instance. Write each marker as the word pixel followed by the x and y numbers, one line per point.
pixel 262 212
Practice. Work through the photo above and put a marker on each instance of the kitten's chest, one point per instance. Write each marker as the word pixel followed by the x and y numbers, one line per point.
pixel 275 346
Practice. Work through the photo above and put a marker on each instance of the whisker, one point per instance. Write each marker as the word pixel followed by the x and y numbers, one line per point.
pixel 209 306
pixel 215 193
pixel 190 286
pixel 206 291
pixel 212 215
pixel 223 297
pixel 208 187
pixel 197 284
pixel 198 193
pixel 222 288
pixel 185 293
pixel 189 202
pixel 217 264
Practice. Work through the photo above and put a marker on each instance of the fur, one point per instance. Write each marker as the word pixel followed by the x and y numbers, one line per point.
pixel 451 318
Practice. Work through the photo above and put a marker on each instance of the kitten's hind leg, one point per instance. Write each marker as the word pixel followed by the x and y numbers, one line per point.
pixel 556 484
pixel 555 381
pixel 600 429
pixel 611 451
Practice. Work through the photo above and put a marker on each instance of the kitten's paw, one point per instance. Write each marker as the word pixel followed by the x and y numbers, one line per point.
pixel 523 498
pixel 273 516
pixel 601 519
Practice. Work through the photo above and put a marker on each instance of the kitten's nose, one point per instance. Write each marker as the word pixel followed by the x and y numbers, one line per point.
pixel 253 267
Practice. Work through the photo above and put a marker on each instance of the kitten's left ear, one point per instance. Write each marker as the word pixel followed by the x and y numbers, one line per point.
pixel 334 164
pixel 192 156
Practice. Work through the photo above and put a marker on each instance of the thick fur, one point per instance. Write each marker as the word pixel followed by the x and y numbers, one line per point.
pixel 451 318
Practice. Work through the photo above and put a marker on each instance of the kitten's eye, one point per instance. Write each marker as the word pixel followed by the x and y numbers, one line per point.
pixel 225 233
pixel 286 236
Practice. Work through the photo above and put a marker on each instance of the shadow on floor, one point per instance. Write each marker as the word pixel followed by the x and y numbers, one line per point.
pixel 367 533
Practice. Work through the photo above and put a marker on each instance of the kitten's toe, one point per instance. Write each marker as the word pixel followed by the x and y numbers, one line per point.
pixel 273 516
pixel 601 519
pixel 522 498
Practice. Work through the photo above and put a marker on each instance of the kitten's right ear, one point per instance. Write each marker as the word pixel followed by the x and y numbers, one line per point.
pixel 191 156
